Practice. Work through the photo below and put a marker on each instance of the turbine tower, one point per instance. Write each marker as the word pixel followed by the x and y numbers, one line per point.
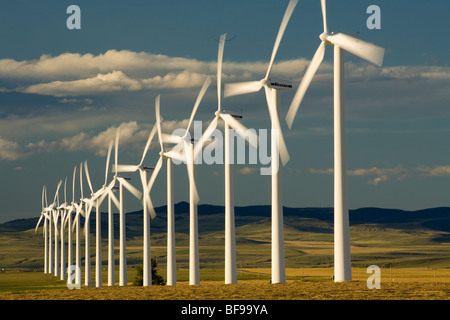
pixel 147 207
pixel 186 145
pixel 169 156
pixel 63 209
pixel 56 215
pixel 366 51
pixel 230 121
pixel 278 150
pixel 122 236
pixel 46 216
pixel 107 190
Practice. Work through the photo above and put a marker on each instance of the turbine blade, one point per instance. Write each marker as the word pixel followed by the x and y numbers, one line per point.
pixel 206 135
pixel 37 224
pixel 151 208
pixel 177 155
pixel 108 191
pixel 87 175
pixel 116 154
pixel 147 200
pixel 190 169
pixel 154 174
pixel 81 179
pixel 199 99
pixel 158 121
pixel 73 183
pixel 114 198
pixel 169 138
pixel 57 190
pixel 233 89
pixel 108 156
pixel 284 154
pixel 304 84
pixel 147 145
pixel 126 168
pixel 242 130
pixel 362 49
pixel 219 69
pixel 284 22
pixel 324 15
pixel 46 204
pixel 130 188
pixel 65 190
pixel 43 199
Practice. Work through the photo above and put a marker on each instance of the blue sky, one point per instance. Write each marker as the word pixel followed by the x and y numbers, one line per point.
pixel 63 92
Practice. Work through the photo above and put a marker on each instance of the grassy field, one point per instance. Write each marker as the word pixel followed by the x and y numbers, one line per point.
pixel 253 284
pixel 414 265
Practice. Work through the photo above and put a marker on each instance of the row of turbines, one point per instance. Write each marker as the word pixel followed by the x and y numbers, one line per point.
pixel 185 149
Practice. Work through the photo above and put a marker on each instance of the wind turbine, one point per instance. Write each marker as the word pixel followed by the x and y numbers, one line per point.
pixel 186 144
pixel 87 227
pixel 147 206
pixel 77 226
pixel 278 150
pixel 86 214
pixel 138 194
pixel 71 208
pixel 169 156
pixel 229 120
pixel 107 190
pixel 94 200
pixel 56 215
pixel 366 51
pixel 46 216
pixel 63 209
pixel 99 196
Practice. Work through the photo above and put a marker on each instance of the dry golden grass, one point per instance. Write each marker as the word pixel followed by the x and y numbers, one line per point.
pixel 247 290
pixel 309 284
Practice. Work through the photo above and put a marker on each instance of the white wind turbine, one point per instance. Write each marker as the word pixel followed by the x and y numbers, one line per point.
pixel 64 210
pixel 107 190
pixel 278 150
pixel 138 194
pixel 99 196
pixel 366 51
pixel 70 208
pixel 56 215
pixel 230 121
pixel 169 156
pixel 87 228
pixel 46 216
pixel 186 144
pixel 77 226
pixel 147 207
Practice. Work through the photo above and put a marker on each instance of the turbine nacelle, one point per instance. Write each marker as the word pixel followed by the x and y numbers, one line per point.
pixel 235 115
pixel 279 84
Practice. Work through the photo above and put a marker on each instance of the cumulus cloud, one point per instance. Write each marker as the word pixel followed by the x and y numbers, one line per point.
pixel 72 74
pixel 10 150
pixel 101 83
pixel 133 136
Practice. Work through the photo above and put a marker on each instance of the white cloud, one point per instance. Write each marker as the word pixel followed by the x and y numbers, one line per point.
pixel 10 150
pixel 383 174
pixel 72 74
pixel 101 83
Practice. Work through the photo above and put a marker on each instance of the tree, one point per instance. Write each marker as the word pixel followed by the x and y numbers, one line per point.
pixel 156 278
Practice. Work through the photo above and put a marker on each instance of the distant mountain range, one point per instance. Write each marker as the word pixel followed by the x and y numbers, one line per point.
pixel 211 218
